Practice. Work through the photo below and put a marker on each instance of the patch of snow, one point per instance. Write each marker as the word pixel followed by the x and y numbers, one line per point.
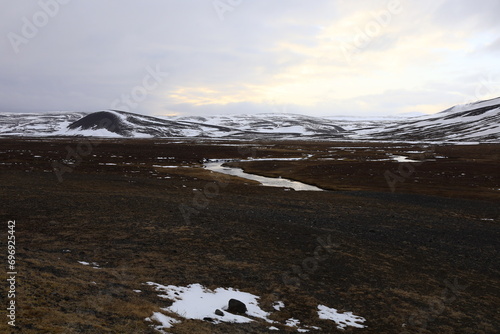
pixel 341 319
pixel 94 264
pixel 277 159
pixel 160 166
pixel 292 322
pixel 402 158
pixel 278 305
pixel 165 321
pixel 197 302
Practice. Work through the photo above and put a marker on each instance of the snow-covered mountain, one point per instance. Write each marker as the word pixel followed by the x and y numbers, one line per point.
pixel 476 122
pixel 113 123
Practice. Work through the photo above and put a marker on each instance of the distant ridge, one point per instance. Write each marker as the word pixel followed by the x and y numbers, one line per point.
pixel 474 122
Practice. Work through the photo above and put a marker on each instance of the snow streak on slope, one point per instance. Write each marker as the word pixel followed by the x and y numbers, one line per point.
pixel 37 124
pixel 280 124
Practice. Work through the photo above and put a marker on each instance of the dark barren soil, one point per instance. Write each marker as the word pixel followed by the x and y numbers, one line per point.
pixel 422 258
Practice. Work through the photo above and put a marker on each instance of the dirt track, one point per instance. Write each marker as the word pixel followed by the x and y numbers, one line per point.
pixel 421 259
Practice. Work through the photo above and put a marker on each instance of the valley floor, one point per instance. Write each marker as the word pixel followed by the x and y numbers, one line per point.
pixel 405 236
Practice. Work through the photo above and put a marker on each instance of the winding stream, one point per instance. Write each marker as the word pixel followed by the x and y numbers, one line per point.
pixel 265 181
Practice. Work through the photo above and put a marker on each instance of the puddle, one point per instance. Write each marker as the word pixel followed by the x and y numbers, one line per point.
pixel 265 181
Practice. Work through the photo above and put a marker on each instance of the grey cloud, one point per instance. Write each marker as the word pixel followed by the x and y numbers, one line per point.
pixel 478 14
pixel 494 46
pixel 93 51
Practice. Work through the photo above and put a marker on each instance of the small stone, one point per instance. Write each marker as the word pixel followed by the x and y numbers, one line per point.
pixel 219 312
pixel 235 306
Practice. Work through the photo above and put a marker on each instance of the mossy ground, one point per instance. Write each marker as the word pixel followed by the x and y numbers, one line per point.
pixel 420 259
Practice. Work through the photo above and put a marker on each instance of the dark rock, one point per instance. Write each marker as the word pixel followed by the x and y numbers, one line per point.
pixel 235 306
pixel 219 312
pixel 208 319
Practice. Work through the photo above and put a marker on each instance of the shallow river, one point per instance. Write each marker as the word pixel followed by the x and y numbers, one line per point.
pixel 265 181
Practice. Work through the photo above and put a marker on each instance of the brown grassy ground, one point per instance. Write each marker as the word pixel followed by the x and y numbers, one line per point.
pixel 420 259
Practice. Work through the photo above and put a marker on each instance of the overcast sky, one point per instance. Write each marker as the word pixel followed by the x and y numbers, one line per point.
pixel 185 57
